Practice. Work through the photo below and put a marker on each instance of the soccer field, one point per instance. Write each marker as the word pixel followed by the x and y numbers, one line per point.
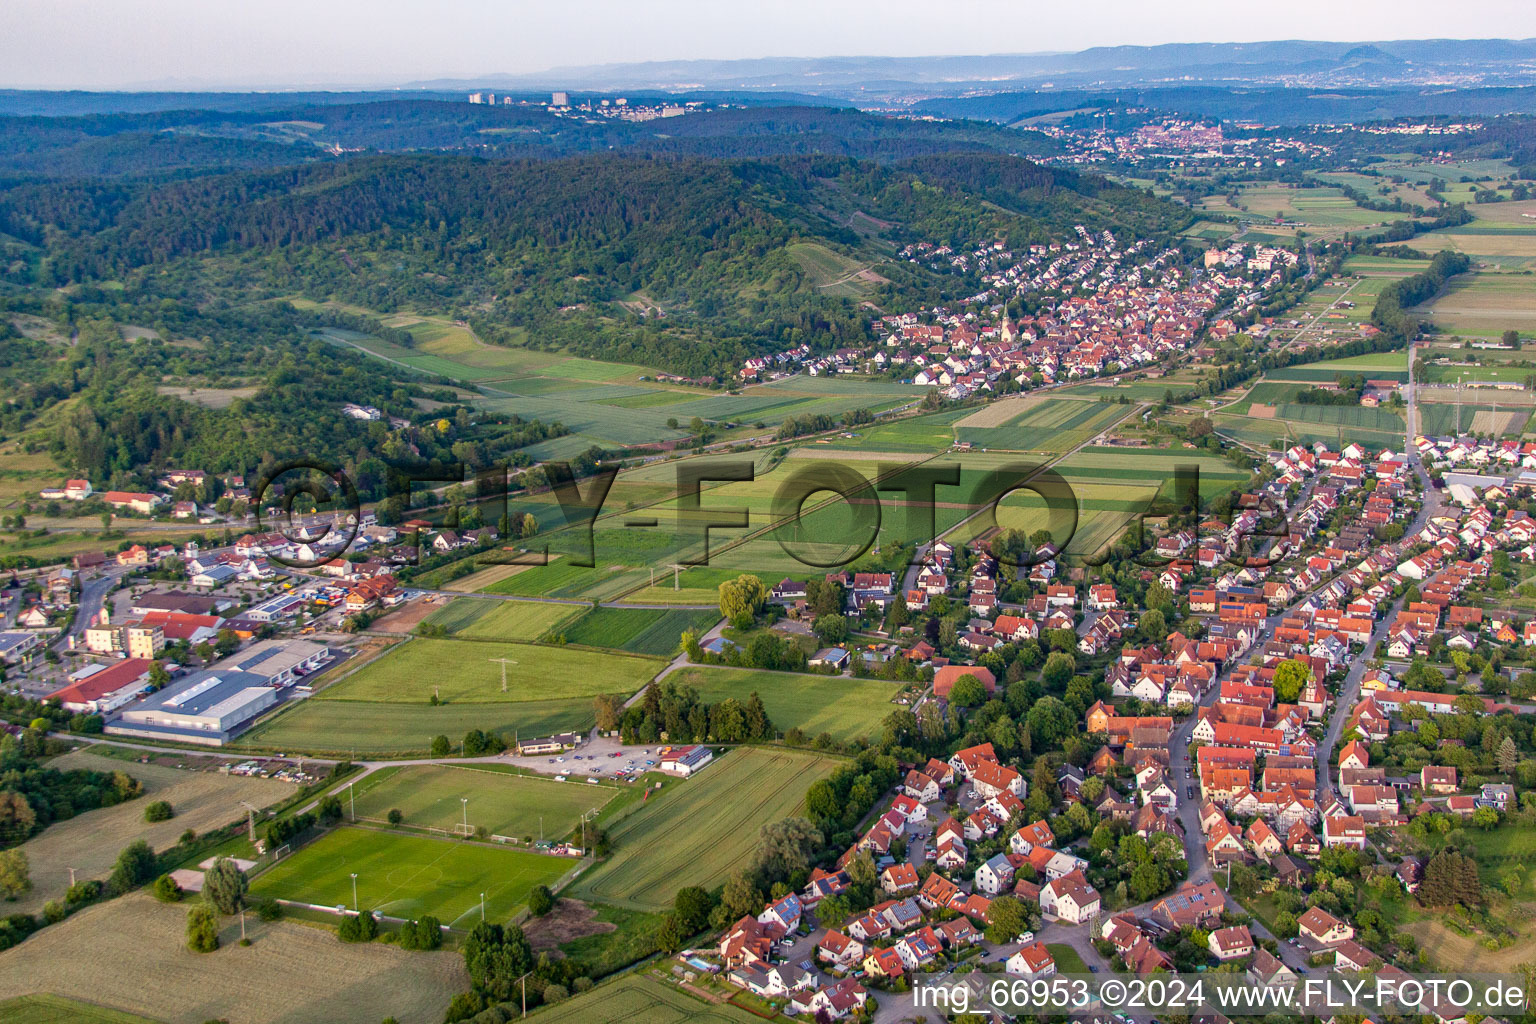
pixel 697 831
pixel 508 804
pixel 409 876
pixel 471 670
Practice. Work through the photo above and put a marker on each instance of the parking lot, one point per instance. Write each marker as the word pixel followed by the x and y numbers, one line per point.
pixel 600 758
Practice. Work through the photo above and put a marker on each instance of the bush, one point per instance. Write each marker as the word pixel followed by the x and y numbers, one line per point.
pixel 464 1006
pixel 555 993
pixel 363 927
pixel 426 933
pixel 540 901
pixel 54 911
pixel 268 909
pixel 15 928
pixel 87 891
pixel 160 810
pixel 166 890
pixel 135 866
pixel 202 929
pixel 394 816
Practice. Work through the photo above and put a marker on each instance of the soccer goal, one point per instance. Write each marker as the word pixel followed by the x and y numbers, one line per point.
pixel 281 852
pixel 463 829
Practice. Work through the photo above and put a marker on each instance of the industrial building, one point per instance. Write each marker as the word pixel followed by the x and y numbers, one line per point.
pixel 101 689
pixel 213 706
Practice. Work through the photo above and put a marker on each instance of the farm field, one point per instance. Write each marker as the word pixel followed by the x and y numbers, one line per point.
pixel 410 876
pixel 1372 363
pixel 505 802
pixel 561 579
pixel 1469 372
pixel 638 630
pixel 1326 210
pixel 1054 425
pixel 490 619
pixel 928 433
pixel 1385 266
pixel 1132 387
pixel 349 727
pixel 1111 486
pixel 465 671
pixel 1358 416
pixel 90 842
pixel 290 974
pixel 22 472
pixel 55 1010
pixel 1209 230
pixel 1500 234
pixel 696 585
pixel 844 708
pixel 1449 418
pixel 1261 430
pixel 1266 392
pixel 609 403
pixel 659 848
pixel 643 1000
pixel 1484 305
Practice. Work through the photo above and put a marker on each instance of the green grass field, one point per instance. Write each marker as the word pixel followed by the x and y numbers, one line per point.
pixel 845 708
pixel 469 671
pixel 1442 418
pixel 931 432
pixel 505 802
pixel 637 999
pixel 1051 426
pixel 410 876
pixel 1485 304
pixel 697 831
pixel 481 619
pixel 42 1009
pixel 351 728
pixel 638 630
pixel 1111 487
pixel 1377 419
pixel 557 579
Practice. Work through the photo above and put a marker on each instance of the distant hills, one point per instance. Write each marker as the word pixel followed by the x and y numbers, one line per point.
pixel 1445 62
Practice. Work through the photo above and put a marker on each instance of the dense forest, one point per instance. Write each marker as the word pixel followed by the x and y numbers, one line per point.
pixel 556 253
pixel 146 276
pixel 274 392
pixel 170 141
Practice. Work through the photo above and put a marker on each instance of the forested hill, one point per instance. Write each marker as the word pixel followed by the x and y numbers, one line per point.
pixel 177 141
pixel 579 252
pixel 625 216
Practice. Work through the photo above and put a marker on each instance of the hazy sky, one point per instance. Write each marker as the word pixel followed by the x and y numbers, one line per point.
pixel 289 43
